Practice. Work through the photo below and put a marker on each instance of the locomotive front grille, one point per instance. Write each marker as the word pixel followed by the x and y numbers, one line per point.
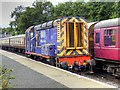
pixel 74 37
pixel 79 35
pixel 70 34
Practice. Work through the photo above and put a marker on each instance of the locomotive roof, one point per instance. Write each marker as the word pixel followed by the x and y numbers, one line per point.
pixel 46 25
pixel 53 23
pixel 30 28
pixel 108 23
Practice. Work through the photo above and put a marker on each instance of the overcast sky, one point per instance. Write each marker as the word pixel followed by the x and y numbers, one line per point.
pixel 7 6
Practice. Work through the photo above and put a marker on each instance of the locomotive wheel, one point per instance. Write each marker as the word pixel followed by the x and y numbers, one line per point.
pixel 28 55
pixel 48 61
pixel 34 57
pixel 75 69
pixel 64 65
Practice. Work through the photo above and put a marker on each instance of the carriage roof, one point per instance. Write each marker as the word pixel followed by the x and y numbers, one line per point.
pixel 22 35
pixel 108 23
pixel 91 23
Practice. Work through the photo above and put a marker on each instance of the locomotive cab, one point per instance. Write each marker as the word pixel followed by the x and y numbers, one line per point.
pixel 30 40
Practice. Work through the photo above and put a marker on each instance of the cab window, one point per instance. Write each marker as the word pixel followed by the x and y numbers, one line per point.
pixel 31 34
pixel 37 38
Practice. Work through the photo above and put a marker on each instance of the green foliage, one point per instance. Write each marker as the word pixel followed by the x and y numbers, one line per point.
pixel 39 13
pixel 8 30
pixel 42 12
pixel 5 77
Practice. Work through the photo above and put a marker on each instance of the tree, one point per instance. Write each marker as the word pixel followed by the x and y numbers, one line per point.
pixel 44 11
pixel 16 14
pixel 41 12
pixel 115 10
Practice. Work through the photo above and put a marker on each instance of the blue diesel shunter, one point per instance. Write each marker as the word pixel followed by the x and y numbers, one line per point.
pixel 58 41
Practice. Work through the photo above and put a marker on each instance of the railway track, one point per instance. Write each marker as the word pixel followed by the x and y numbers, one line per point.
pixel 102 76
pixel 98 75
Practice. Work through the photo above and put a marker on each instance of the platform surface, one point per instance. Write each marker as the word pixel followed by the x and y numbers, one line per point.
pixel 63 78
pixel 28 78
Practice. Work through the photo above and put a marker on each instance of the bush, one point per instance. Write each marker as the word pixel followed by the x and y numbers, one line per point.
pixel 5 76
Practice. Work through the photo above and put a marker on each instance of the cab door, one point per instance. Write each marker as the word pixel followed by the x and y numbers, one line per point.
pixel 27 42
pixel 30 40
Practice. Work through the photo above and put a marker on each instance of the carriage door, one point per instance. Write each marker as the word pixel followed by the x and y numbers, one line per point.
pixel 97 43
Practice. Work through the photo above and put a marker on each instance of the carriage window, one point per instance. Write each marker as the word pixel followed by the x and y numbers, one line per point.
pixel 97 37
pixel 110 37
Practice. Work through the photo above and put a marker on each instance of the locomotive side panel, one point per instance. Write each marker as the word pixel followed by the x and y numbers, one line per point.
pixel 48 39
pixel 53 36
pixel 53 41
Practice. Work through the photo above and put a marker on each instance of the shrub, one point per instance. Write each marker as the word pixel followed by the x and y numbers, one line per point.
pixel 5 76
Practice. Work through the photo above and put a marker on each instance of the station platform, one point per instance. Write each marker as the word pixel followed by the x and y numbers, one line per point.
pixel 65 79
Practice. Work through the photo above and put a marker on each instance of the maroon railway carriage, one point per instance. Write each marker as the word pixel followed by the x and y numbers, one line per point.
pixel 107 44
